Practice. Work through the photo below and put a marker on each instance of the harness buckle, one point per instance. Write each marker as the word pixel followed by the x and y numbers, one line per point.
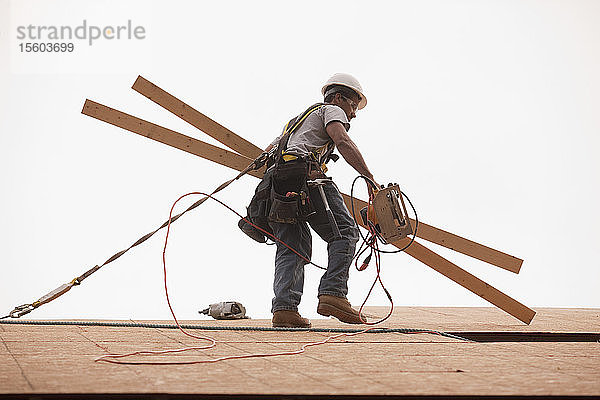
pixel 261 160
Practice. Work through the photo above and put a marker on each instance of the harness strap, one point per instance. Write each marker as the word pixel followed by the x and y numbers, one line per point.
pixel 291 127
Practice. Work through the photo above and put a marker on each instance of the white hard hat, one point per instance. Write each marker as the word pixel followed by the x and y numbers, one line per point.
pixel 348 81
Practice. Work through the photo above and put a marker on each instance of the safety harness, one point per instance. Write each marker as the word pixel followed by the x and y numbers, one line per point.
pixel 290 128
pixel 283 196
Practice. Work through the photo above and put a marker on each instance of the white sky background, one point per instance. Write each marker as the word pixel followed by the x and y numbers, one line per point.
pixel 485 112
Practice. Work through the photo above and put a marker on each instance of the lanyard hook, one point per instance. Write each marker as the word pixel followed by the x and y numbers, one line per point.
pixel 21 310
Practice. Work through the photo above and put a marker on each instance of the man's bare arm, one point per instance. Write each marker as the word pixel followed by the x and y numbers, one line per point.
pixel 348 148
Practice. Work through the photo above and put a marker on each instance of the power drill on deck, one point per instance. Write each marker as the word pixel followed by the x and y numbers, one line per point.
pixel 226 310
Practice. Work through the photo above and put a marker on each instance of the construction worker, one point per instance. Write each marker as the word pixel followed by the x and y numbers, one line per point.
pixel 324 128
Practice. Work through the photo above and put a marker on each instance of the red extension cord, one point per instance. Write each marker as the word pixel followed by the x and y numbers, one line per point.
pixel 371 243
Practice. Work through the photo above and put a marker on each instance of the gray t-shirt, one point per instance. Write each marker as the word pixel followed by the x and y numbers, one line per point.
pixel 311 136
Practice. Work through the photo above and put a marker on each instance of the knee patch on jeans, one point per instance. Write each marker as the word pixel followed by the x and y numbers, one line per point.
pixel 351 233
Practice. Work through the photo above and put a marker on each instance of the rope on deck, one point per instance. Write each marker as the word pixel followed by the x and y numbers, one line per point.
pixel 228 328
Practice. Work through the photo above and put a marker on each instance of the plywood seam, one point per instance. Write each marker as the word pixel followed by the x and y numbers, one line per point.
pixel 312 357
pixel 273 361
pixel 229 365
pixel 18 364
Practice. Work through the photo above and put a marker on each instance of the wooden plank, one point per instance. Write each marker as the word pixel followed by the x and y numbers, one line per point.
pixel 455 273
pixel 196 118
pixel 167 136
pixel 455 242
pixel 239 162
pixel 469 281
pixel 239 144
pixel 469 247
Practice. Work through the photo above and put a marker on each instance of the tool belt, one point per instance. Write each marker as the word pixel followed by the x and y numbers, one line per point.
pixel 283 195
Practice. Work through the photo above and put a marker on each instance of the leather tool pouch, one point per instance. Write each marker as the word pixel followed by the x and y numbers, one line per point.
pixel 289 192
pixel 258 209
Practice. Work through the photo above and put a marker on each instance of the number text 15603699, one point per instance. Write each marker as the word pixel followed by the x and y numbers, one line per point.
pixel 46 47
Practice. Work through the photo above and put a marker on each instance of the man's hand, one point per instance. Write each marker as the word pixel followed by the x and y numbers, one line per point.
pixel 372 190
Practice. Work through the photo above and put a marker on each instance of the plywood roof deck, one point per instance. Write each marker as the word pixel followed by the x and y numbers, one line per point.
pixel 59 359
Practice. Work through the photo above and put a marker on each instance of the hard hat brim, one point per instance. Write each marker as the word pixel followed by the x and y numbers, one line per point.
pixel 363 99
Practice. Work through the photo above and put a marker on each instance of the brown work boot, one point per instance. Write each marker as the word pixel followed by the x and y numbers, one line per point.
pixel 340 308
pixel 289 319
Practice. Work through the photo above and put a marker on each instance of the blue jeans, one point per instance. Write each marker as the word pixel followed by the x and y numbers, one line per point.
pixel 289 267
